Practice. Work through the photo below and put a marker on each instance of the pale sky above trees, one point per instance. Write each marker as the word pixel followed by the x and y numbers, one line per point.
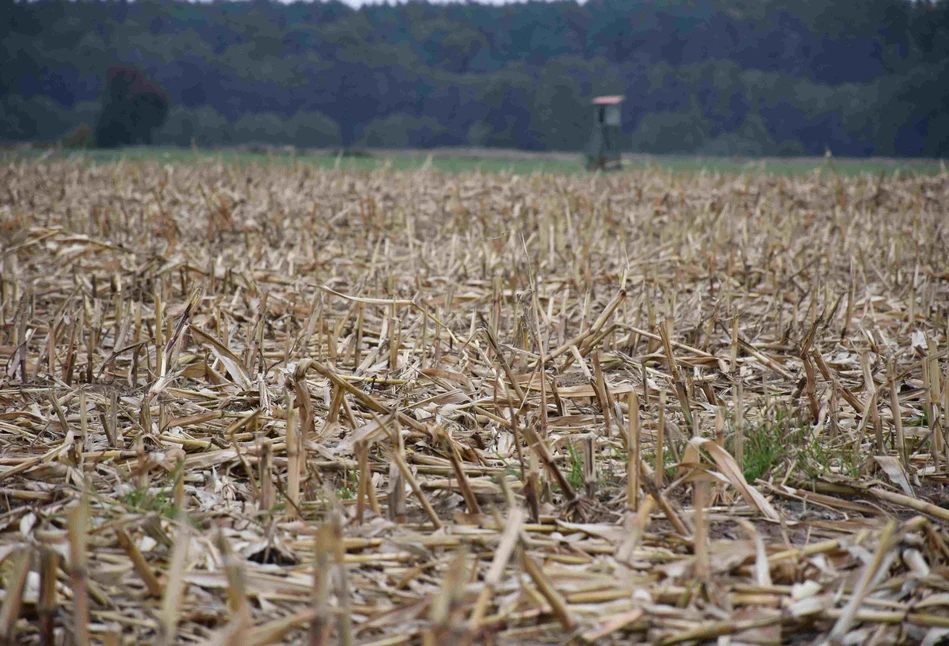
pixel 359 3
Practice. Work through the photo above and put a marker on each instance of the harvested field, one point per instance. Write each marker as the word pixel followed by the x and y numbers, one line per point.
pixel 251 405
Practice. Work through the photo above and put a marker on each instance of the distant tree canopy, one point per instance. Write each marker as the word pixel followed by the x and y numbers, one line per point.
pixel 134 108
pixel 749 77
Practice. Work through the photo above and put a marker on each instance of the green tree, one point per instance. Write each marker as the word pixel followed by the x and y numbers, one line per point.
pixel 402 131
pixel 771 75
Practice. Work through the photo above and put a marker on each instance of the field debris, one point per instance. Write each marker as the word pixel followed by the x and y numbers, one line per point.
pixel 254 405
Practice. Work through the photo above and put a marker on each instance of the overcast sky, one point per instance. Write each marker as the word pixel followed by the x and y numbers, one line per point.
pixel 358 3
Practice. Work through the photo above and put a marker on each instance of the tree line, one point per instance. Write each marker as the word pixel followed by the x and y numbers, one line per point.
pixel 724 77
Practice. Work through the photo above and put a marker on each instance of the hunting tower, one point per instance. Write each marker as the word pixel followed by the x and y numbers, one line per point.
pixel 603 152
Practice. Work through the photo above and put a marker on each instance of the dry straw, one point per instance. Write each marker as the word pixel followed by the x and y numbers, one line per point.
pixel 252 404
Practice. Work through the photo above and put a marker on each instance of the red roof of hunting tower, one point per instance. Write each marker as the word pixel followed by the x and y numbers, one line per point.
pixel 608 100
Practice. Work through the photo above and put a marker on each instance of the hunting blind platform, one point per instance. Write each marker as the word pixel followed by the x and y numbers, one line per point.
pixel 603 152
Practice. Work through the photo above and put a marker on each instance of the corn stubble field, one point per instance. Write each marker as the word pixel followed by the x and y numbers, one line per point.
pixel 258 405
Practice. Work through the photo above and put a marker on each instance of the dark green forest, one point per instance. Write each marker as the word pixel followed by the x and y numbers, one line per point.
pixel 711 77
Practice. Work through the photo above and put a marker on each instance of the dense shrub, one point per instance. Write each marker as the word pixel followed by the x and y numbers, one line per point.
pixel 82 136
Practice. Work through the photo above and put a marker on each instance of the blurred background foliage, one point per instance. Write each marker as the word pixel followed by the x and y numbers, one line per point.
pixel 719 77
